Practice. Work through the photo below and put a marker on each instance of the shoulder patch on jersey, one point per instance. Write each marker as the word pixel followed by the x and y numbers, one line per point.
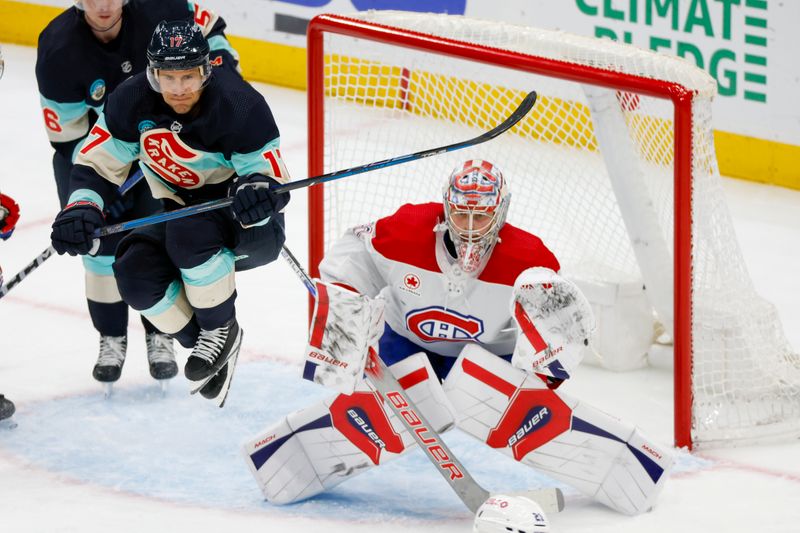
pixel 517 250
pixel 407 236
pixel 146 125
pixel 97 90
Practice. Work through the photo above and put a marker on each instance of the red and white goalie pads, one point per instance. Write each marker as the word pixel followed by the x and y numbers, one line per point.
pixel 555 322
pixel 345 326
pixel 316 448
pixel 515 413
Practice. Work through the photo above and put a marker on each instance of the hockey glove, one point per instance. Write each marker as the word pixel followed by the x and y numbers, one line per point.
pixel 9 214
pixel 253 200
pixel 73 228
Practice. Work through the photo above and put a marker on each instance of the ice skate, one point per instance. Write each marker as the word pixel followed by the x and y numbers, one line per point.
pixel 108 368
pixel 208 364
pixel 6 412
pixel 161 358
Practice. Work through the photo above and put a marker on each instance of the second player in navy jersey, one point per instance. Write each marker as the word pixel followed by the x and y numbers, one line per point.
pixel 197 135
pixel 84 54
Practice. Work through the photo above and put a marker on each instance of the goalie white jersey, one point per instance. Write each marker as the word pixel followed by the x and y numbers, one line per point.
pixel 430 300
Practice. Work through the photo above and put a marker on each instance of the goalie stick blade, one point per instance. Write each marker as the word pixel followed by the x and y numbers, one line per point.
pixel 550 500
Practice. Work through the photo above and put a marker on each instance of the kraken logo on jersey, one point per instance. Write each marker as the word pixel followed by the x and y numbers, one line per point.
pixel 166 153
pixel 97 90
pixel 436 323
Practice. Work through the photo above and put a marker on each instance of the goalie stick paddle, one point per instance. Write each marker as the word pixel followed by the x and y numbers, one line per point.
pixel 468 490
pixel 49 251
pixel 517 115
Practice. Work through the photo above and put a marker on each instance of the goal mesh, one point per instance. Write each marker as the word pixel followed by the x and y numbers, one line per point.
pixel 386 99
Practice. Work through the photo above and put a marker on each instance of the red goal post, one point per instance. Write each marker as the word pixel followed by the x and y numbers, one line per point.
pixel 380 83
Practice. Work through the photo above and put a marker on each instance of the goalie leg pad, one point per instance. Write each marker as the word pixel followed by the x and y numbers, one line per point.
pixel 314 449
pixel 516 414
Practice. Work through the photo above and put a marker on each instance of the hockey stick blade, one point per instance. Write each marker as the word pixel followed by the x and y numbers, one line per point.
pixel 463 484
pixel 517 115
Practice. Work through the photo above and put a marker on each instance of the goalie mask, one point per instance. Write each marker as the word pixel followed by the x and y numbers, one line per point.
pixel 476 200
pixel 178 46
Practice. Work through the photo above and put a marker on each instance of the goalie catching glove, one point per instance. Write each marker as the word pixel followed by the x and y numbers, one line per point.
pixel 345 327
pixel 555 322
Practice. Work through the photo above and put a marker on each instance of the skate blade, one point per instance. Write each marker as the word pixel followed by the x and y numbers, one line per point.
pixel 8 424
pixel 226 387
pixel 108 389
pixel 163 386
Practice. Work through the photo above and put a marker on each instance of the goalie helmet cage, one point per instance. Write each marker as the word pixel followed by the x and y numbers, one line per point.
pixel 614 168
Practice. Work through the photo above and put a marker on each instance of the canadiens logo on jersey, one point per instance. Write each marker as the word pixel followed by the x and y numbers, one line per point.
pixel 166 154
pixel 436 323
pixel 362 420
pixel 532 418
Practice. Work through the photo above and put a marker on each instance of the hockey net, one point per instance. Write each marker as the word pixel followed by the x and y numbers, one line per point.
pixel 614 169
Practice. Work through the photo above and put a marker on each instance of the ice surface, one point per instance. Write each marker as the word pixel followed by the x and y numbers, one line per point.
pixel 140 462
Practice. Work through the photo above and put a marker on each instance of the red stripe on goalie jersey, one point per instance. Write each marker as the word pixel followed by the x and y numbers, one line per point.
pixel 407 237
pixel 532 418
pixel 530 331
pixel 362 420
pixel 320 316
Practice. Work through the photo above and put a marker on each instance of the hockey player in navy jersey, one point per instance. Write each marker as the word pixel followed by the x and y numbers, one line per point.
pixel 475 322
pixel 84 54
pixel 198 135
pixel 9 214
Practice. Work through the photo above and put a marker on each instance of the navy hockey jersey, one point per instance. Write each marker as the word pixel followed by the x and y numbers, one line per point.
pixel 76 72
pixel 187 158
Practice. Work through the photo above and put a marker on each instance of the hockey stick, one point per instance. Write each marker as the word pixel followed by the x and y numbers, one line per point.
pixel 468 490
pixel 49 251
pixel 517 115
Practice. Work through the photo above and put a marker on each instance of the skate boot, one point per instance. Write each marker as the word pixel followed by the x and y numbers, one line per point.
pixel 111 358
pixel 6 408
pixel 211 362
pixel 161 356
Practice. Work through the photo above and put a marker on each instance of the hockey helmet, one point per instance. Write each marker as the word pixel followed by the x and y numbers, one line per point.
pixel 501 514
pixel 79 3
pixel 177 45
pixel 476 199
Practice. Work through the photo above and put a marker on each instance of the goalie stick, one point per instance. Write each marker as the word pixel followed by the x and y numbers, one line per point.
pixel 468 490
pixel 517 115
pixel 49 251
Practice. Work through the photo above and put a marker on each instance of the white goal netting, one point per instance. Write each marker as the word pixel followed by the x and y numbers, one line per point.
pixel 592 172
